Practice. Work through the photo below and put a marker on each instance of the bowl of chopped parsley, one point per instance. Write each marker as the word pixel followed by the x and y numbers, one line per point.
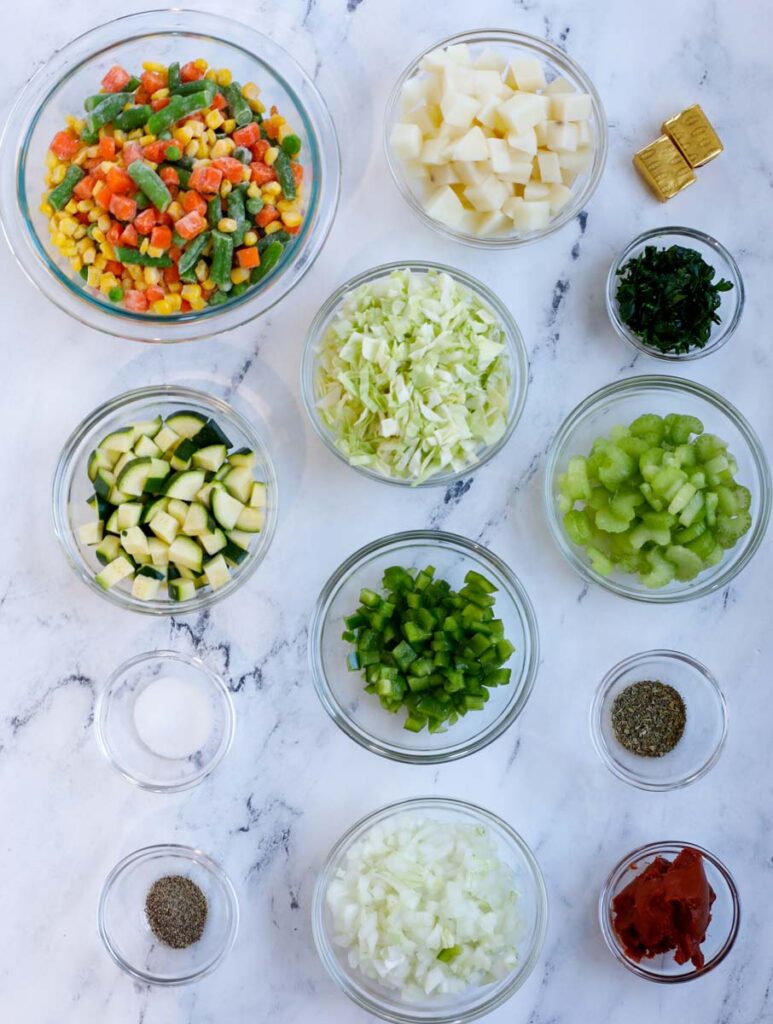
pixel 675 293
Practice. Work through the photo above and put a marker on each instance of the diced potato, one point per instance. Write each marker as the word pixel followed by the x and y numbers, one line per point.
pixel 458 109
pixel 445 174
pixel 536 190
pixel 526 73
pixel 428 119
pixel 434 151
pixel 562 135
pixel 557 86
pixel 584 137
pixel 487 114
pixel 549 167
pixel 522 111
pixel 417 170
pixel 489 196
pixel 500 155
pixel 521 169
pixel 576 162
pixel 485 84
pixel 526 142
pixel 419 91
pixel 460 53
pixel 528 216
pixel 491 60
pixel 406 141
pixel 558 198
pixel 541 133
pixel 471 147
pixel 470 173
pixel 434 61
pixel 446 206
pixel 576 106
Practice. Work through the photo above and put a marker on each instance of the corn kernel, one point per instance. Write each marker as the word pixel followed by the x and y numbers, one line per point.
pixel 192 147
pixel 98 235
pixel 197 304
pixel 201 64
pixel 46 209
pixel 225 187
pixel 273 227
pixel 190 292
pixel 100 262
pixel 211 75
pixel 92 151
pixel 214 119
pixel 84 205
pixel 80 231
pixel 250 91
pixel 174 298
pixel 76 263
pixel 152 275
pixel 135 134
pixel 93 277
pixel 203 149
pixel 183 135
pixel 71 207
pixel 119 136
pixel 285 205
pixel 59 239
pixel 108 250
pixel 80 158
pixel 197 128
pixel 89 255
pixel 201 270
pixel 221 148
pixel 227 225
pixel 160 94
pixel 144 245
pixel 146 140
pixel 51 160
pixel 291 219
pixel 273 188
pixel 155 252
pixel 239 275
pixel 254 190
pixel 98 186
pixel 209 284
pixel 250 238
pixel 135 273
pixel 152 65
pixel 104 222
pixel 162 307
pixel 175 210
pixel 58 174
pixel 224 77
pixel 106 282
pixel 229 125
pixel 270 155
pixel 282 133
pixel 94 215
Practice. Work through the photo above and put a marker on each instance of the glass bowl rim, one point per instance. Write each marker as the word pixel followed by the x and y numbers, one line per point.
pixel 430 803
pixel 183 852
pixel 224 695
pixel 597 401
pixel 514 344
pixel 516 594
pixel 665 846
pixel 65 470
pixel 547 51
pixel 731 268
pixel 597 733
pixel 38 265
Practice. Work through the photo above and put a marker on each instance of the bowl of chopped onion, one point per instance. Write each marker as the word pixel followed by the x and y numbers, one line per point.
pixel 430 910
pixel 414 373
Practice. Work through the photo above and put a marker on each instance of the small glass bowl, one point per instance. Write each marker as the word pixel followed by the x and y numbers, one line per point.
pixel 556 64
pixel 621 403
pixel 713 253
pixel 720 935
pixel 74 72
pixel 122 744
pixel 516 353
pixel 123 924
pixel 704 733
pixel 359 714
pixel 456 1009
pixel 72 488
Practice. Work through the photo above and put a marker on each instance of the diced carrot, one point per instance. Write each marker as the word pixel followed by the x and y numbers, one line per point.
pixel 165 218
pixel 271 126
pixel 262 173
pixel 247 136
pixel 193 201
pixel 82 218
pixel 64 145
pixel 258 149
pixel 96 170
pixel 130 236
pixel 249 257
pixel 297 170
pixel 106 147
pixel 191 72
pixel 131 151
pixel 116 79
pixel 160 103
pixel 103 198
pixel 171 275
pixel 161 237
pixel 205 179
pixel 154 293
pixel 233 170
pixel 119 182
pixel 175 252
pixel 122 207
pixel 190 225
pixel 292 230
pixel 152 81
pixel 169 176
pixel 113 234
pixel 141 97
pixel 266 216
pixel 186 306
pixel 135 300
pixel 219 102
pixel 146 221
pixel 85 187
pixel 114 266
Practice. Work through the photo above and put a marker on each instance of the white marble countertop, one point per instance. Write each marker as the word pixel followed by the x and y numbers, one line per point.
pixel 293 782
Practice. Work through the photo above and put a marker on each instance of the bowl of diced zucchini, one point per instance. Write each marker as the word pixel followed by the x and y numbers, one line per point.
pixel 165 498
pixel 658 489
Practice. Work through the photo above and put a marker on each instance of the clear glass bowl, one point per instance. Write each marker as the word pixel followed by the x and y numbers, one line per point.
pixel 386 1003
pixel 74 72
pixel 72 487
pixel 621 403
pixel 713 253
pixel 123 924
pixel 705 728
pixel 123 746
pixel 720 935
pixel 359 714
pixel 557 64
pixel 516 353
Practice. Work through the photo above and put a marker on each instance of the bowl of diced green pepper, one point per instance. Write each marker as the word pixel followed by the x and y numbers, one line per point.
pixel 658 489
pixel 423 647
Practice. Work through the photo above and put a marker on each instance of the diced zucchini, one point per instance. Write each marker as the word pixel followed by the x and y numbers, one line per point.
pixel 238 482
pixel 251 520
pixel 133 478
pixel 148 428
pixel 203 495
pixel 234 553
pixel 243 457
pixel 120 440
pixel 104 482
pixel 166 438
pixel 111 526
pixel 209 434
pixel 186 424
pixel 91 533
pixel 240 538
pixel 195 522
pixel 164 526
pixel 123 462
pixel 183 453
pixel 147 448
pixel 114 572
pixel 100 458
pixel 159 551
pixel 100 506
pixel 210 458
pixel 217 572
pixel 185 485
pixel 178 510
pixel 186 553
pixel 258 495
pixel 135 543
pixel 181 590
pixel 145 588
pixel 225 508
pixel 213 541
pixel 109 549
pixel 153 508
pixel 129 514
pixel 118 497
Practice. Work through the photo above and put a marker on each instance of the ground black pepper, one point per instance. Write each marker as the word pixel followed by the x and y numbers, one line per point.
pixel 648 718
pixel 176 909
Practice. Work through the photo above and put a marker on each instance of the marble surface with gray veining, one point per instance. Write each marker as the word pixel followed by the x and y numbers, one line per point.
pixel 293 782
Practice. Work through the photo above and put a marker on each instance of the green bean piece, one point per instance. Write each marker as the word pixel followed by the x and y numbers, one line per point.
pixel 284 174
pixel 149 182
pixel 84 273
pixel 93 101
pixel 62 194
pixel 141 200
pixel 185 161
pixel 164 118
pixel 266 240
pixel 200 85
pixel 243 154
pixel 192 254
pixel 214 211
pixel 240 108
pixel 134 117
pixel 173 80
pixel 133 84
pixel 291 144
pixel 124 254
pixel 218 298
pixel 254 206
pixel 222 258
pixel 268 260
pixel 105 112
pixel 235 207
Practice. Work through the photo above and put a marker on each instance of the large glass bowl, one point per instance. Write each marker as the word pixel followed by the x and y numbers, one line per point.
pixel 621 403
pixel 715 254
pixel 515 349
pixel 360 714
pixel 720 935
pixel 556 64
pixel 72 488
pixel 74 72
pixel 386 1003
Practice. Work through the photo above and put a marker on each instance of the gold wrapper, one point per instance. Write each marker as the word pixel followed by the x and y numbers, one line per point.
pixel 694 135
pixel 663 168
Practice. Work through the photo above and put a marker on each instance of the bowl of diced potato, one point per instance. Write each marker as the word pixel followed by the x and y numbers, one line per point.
pixel 495 138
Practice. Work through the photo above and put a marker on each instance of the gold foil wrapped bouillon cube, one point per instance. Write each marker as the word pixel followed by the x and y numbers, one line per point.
pixel 664 168
pixel 694 135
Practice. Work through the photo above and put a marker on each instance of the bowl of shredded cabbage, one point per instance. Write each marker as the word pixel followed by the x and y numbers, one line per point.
pixel 414 373
pixel 430 910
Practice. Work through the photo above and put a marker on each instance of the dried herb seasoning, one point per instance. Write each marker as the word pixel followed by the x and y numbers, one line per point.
pixel 669 298
pixel 176 909
pixel 648 718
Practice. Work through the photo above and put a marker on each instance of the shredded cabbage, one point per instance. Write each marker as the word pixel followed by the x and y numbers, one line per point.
pixel 426 907
pixel 413 377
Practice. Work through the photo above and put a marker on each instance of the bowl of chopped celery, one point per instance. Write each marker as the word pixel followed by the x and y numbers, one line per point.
pixel 168 175
pixel 423 647
pixel 658 489
pixel 430 910
pixel 414 373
